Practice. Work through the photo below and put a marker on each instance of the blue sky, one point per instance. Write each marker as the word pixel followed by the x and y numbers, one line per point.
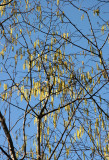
pixel 75 17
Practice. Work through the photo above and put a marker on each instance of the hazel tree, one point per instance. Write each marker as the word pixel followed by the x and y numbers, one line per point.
pixel 54 79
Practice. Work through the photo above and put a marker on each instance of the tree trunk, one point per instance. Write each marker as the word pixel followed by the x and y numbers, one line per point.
pixel 38 139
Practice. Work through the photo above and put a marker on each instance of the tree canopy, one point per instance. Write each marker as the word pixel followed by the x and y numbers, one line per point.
pixel 54 79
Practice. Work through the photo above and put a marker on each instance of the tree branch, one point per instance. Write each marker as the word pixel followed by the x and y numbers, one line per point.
pixel 8 136
pixel 5 153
